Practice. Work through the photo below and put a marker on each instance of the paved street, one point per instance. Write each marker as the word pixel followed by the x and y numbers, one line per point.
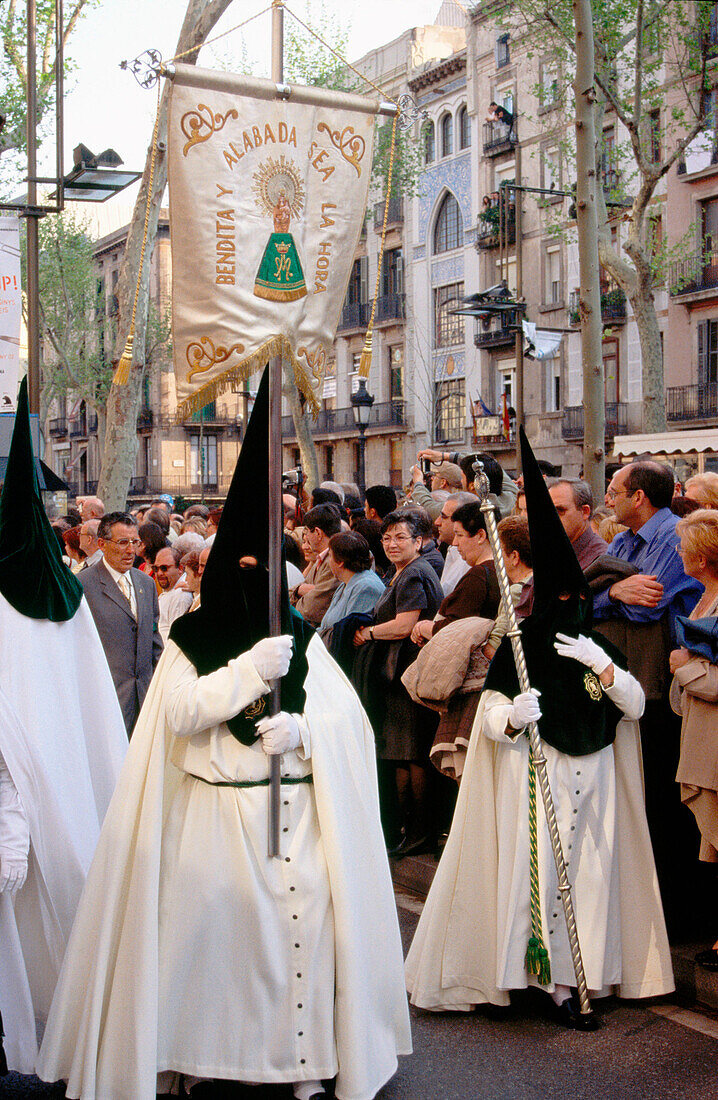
pixel 521 1054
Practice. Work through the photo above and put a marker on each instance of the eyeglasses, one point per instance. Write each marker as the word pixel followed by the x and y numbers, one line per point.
pixel 163 568
pixel 124 543
pixel 388 539
pixel 613 493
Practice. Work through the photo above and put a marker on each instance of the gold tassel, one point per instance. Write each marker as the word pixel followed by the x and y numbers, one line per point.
pixel 122 372
pixel 365 361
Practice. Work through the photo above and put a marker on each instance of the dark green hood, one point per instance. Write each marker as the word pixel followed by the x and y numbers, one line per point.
pixel 33 576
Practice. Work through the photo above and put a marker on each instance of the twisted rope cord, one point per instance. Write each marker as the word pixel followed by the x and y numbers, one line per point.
pixel 537 961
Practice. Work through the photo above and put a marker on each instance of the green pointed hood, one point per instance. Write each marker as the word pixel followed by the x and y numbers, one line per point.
pixel 33 577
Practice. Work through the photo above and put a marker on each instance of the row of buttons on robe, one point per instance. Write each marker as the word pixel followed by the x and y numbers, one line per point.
pixel 569 849
pixel 295 916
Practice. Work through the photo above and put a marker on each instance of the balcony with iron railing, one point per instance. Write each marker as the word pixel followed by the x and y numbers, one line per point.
pixel 488 234
pixel 697 402
pixel 80 427
pixel 694 275
pixel 355 315
pixel 496 331
pixel 613 306
pixel 58 426
pixel 395 216
pixel 616 420
pixel 385 414
pixel 500 138
pixel 390 307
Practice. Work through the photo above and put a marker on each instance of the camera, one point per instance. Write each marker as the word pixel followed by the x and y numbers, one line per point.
pixel 292 478
pixel 426 467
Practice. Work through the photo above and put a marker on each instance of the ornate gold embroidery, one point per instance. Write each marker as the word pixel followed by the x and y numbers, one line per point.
pixel 199 125
pixel 351 146
pixel 255 709
pixel 593 686
pixel 205 349
pixel 317 361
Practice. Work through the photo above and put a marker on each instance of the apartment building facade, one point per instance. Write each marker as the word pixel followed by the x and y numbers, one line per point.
pixel 194 459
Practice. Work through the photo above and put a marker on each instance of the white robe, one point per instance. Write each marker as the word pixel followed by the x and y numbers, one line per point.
pixel 63 740
pixel 194 965
pixel 471 939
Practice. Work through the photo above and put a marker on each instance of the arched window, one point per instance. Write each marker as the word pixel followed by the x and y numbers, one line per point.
pixel 429 143
pixel 464 128
pixel 447 136
pixel 449 229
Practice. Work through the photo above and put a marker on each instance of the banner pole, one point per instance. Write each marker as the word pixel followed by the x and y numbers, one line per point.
pixel 275 490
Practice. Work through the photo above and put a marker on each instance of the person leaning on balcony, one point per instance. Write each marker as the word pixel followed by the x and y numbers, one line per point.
pixel 638 615
pixel 703 488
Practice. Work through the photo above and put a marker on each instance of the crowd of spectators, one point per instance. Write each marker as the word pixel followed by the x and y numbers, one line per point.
pixel 402 589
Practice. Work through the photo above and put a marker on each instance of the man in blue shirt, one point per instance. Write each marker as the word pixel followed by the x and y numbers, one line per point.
pixel 638 614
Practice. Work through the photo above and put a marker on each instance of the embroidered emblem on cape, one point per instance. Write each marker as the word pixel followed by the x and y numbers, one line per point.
pixel 255 709
pixel 593 686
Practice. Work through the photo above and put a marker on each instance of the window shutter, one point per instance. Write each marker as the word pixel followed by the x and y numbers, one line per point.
pixel 364 277
pixel 702 349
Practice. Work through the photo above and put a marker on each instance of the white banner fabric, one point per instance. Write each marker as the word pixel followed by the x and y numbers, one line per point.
pixel 10 311
pixel 267 201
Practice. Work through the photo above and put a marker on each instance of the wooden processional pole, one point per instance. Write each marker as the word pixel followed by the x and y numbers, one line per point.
pixel 275 490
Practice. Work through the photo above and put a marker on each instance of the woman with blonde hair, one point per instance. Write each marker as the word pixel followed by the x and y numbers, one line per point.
pixel 694 691
pixel 704 489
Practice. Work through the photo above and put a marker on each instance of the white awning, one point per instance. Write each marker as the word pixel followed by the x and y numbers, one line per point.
pixel 666 443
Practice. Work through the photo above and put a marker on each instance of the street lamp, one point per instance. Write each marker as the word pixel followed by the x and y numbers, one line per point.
pixel 362 402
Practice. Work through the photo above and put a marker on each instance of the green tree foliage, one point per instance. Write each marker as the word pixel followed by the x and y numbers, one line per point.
pixel 651 72
pixel 78 318
pixel 13 67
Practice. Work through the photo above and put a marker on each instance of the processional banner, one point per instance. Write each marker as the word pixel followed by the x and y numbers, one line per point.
pixel 267 202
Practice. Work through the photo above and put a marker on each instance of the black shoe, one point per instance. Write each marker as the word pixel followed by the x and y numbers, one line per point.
pixel 569 1015
pixel 708 959
pixel 420 847
pixel 398 851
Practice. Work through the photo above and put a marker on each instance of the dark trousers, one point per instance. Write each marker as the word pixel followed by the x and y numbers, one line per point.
pixel 688 887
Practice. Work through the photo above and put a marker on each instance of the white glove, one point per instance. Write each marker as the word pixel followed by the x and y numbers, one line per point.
pixel 524 709
pixel 271 656
pixel 584 650
pixel 13 870
pixel 279 734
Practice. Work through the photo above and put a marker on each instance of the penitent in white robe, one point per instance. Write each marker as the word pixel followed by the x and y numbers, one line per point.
pixel 208 957
pixel 63 741
pixel 470 943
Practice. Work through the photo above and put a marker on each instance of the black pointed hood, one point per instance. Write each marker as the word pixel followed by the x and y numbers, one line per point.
pixel 578 718
pixel 555 565
pixel 234 610
pixel 33 576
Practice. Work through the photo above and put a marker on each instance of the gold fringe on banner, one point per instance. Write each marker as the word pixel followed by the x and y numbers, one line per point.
pixel 276 345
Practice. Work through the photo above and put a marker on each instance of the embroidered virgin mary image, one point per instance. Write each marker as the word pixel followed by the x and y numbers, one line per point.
pixel 280 195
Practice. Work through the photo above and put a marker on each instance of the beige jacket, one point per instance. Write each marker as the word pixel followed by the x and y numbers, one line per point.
pixel 694 695
pixel 313 606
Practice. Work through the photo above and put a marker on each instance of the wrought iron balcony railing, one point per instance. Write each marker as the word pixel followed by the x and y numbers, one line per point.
pixel 616 420
pixel 697 402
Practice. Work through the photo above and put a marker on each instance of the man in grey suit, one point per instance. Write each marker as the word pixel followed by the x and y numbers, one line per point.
pixel 123 602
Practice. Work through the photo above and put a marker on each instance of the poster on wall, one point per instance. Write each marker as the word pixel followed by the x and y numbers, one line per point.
pixel 10 311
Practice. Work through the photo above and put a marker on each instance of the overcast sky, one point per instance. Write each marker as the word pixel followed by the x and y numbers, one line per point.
pixel 106 107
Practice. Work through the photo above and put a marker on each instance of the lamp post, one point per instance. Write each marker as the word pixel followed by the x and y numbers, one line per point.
pixel 94 182
pixel 362 402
